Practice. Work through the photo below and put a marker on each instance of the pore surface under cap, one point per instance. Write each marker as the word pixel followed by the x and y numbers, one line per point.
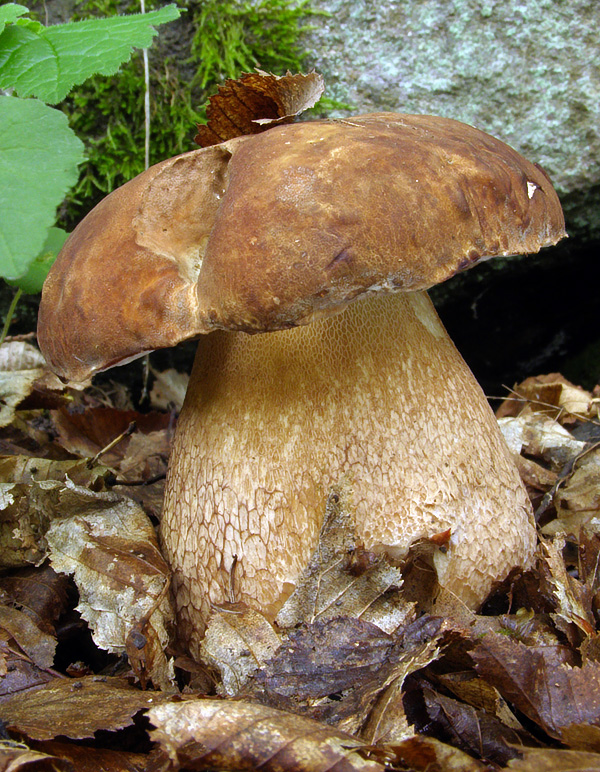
pixel 274 230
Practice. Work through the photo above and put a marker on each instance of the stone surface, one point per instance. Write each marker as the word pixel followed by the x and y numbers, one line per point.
pixel 526 71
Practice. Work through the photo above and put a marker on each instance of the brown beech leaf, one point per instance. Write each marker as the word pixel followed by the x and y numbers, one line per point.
pixel 555 760
pixel 109 546
pixel 573 599
pixel 552 394
pixel 387 721
pixel 22 369
pixel 472 730
pixel 426 754
pixel 553 694
pixel 87 433
pixel 17 757
pixel 76 708
pixel 334 671
pixel 37 645
pixel 169 389
pixel 226 735
pixel 25 469
pixel 344 580
pixel 255 102
pixel 237 642
pixel 577 499
pixel 40 593
pixel 83 759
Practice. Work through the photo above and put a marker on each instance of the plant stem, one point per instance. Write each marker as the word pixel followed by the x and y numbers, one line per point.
pixel 9 315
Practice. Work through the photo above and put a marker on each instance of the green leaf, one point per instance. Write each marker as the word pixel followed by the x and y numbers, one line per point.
pixel 49 61
pixel 39 155
pixel 10 12
pixel 31 283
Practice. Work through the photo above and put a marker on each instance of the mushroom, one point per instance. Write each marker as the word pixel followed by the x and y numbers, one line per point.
pixel 325 235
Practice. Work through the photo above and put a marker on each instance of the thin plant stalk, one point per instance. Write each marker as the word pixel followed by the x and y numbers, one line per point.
pixel 9 315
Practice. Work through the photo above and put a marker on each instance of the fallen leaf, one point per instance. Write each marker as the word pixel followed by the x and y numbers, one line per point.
pixel 472 730
pixel 343 580
pixel 535 680
pixel 22 369
pixel 169 389
pixel 37 645
pixel 427 754
pixel 255 102
pixel 76 708
pixel 238 641
pixel 17 756
pixel 109 546
pixel 577 499
pixel 551 394
pixel 225 735
pixel 555 760
pixel 85 759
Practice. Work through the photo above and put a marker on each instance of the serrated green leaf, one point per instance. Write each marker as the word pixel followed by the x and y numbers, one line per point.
pixel 10 12
pixel 39 155
pixel 48 62
pixel 32 282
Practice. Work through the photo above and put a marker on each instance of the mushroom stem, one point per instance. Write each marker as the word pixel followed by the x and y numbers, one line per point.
pixel 376 397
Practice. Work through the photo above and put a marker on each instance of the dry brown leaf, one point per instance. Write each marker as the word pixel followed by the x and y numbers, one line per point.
pixel 539 684
pixel 335 671
pixel 473 731
pixel 85 759
pixel 255 102
pixel 25 469
pixel 577 499
pixel 39 592
pixel 426 754
pixel 22 369
pixel 225 735
pixel 551 394
pixel 478 693
pixel 15 757
pixel 541 437
pixel 555 760
pixel 87 433
pixel 76 708
pixel 387 722
pixel 237 642
pixel 109 546
pixel 573 599
pixel 343 580
pixel 37 645
pixel 168 390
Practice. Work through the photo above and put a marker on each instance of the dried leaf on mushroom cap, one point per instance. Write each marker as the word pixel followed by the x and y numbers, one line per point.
pixel 257 101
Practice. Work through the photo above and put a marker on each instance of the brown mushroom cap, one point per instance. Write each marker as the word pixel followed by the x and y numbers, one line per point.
pixel 275 230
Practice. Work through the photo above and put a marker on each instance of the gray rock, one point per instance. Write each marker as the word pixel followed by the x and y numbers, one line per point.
pixel 526 71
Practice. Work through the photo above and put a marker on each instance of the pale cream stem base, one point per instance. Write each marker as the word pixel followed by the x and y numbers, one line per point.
pixel 377 398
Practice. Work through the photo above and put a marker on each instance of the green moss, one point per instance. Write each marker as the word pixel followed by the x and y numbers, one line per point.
pixel 216 39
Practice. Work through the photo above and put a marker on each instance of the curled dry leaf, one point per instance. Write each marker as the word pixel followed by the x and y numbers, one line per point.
pixel 551 693
pixel 573 598
pixel 225 735
pixel 540 436
pixel 343 580
pixel 109 546
pixel 577 499
pixel 168 390
pixel 555 760
pixel 82 759
pixel 15 757
pixel 255 102
pixel 76 708
pixel 22 369
pixel 472 730
pixel 36 644
pixel 237 642
pixel 553 395
pixel 425 754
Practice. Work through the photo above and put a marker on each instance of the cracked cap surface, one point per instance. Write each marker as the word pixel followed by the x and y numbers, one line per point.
pixel 275 230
